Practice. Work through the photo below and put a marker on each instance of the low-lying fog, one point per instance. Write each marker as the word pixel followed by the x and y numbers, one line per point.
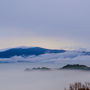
pixel 13 77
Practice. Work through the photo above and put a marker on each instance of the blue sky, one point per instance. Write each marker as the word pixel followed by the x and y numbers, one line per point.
pixel 45 23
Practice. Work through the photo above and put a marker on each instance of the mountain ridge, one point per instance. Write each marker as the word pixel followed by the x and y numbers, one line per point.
pixel 24 52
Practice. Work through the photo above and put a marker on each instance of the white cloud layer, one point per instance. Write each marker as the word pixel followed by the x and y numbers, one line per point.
pixel 70 57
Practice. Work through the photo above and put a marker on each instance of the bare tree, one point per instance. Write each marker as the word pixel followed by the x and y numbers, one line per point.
pixel 79 86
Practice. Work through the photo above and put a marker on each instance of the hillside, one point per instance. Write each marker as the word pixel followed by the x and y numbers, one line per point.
pixel 24 52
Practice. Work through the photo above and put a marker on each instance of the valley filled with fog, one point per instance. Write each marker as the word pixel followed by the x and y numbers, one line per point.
pixel 14 77
pixel 16 62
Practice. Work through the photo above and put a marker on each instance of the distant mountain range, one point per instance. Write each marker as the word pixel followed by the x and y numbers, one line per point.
pixel 25 52
pixel 43 55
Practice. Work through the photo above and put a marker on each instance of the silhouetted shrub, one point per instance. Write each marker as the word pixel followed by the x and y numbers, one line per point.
pixel 79 86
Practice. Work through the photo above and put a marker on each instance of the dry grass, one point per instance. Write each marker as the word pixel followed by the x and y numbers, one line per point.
pixel 79 86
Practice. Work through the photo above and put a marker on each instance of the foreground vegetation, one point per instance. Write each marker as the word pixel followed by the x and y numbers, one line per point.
pixel 79 86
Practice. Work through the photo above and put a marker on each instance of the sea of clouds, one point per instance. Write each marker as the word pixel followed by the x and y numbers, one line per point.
pixel 69 57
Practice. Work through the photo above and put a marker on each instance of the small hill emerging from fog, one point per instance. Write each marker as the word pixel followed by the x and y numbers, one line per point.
pixel 38 69
pixel 67 67
pixel 76 67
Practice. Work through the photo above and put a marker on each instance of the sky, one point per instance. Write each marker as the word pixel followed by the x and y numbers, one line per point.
pixel 45 23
